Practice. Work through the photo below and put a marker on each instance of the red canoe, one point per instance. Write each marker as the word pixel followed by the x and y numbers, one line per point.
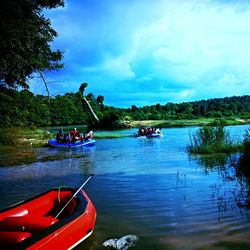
pixel 35 223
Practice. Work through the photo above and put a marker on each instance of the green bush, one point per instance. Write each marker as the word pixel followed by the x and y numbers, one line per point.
pixel 212 139
pixel 243 168
pixel 246 142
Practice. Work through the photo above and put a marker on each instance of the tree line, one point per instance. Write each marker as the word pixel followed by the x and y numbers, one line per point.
pixel 216 108
pixel 26 36
pixel 23 108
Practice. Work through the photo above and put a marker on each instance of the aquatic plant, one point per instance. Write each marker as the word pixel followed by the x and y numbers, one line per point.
pixel 246 142
pixel 109 135
pixel 243 167
pixel 212 139
pixel 17 136
pixel 8 137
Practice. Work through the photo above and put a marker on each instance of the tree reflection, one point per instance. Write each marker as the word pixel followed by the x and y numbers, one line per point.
pixel 244 162
pixel 222 163
pixel 231 168
pixel 243 168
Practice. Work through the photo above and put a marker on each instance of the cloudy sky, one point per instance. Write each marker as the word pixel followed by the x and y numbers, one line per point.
pixel 144 52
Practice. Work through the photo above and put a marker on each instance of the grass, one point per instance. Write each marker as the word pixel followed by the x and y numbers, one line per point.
pixel 246 142
pixel 188 122
pixel 212 139
pixel 38 137
pixel 244 162
pixel 210 149
pixel 109 135
pixel 17 144
pixel 17 157
pixel 23 136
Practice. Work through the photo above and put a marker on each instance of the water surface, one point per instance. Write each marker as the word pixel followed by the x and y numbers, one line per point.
pixel 148 187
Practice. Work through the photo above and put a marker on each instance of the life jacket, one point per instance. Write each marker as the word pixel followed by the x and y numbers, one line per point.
pixel 74 132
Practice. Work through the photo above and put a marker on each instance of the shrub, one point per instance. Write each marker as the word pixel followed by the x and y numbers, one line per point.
pixel 243 168
pixel 246 142
pixel 212 139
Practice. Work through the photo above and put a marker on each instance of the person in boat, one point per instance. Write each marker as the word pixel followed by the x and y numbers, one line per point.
pixel 158 131
pixel 73 135
pixel 149 131
pixel 140 132
pixel 60 136
pixel 143 131
pixel 88 135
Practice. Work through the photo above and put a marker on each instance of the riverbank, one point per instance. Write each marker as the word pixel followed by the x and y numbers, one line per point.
pixel 17 144
pixel 38 137
pixel 185 123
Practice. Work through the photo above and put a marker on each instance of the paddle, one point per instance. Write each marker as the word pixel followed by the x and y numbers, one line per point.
pixel 74 195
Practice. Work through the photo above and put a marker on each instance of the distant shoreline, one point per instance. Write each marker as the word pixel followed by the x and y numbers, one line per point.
pixel 17 144
pixel 38 137
pixel 186 123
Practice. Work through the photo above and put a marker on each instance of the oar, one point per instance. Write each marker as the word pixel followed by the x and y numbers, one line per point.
pixel 74 195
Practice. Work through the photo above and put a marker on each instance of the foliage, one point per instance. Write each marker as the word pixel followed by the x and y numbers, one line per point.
pixel 23 108
pixel 24 136
pixel 25 37
pixel 7 138
pixel 246 142
pixel 83 87
pixel 212 108
pixel 100 100
pixel 212 139
pixel 110 135
pixel 112 120
pixel 243 167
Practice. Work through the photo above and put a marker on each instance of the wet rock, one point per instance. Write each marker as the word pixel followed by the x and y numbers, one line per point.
pixel 121 244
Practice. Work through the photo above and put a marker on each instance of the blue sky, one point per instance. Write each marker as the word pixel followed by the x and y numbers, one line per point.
pixel 144 52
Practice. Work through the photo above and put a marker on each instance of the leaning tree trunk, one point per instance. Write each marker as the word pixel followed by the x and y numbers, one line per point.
pixel 45 84
pixel 89 108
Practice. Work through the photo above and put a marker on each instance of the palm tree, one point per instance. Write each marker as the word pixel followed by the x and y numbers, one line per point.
pixel 100 100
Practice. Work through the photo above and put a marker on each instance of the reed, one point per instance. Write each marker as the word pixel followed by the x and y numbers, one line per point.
pixel 244 162
pixel 109 135
pixel 246 142
pixel 212 139
pixel 188 122
pixel 16 136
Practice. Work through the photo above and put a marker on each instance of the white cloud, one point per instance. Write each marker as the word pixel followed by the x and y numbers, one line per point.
pixel 196 49
pixel 119 68
pixel 144 78
pixel 184 94
pixel 228 79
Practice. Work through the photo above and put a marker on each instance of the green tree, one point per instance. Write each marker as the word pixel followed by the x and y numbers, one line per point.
pixel 170 108
pixel 25 37
pixel 83 87
pixel 134 108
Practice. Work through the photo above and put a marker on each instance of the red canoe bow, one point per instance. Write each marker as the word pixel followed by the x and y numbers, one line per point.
pixel 33 224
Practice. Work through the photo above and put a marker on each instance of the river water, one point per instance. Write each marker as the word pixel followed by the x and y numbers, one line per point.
pixel 151 188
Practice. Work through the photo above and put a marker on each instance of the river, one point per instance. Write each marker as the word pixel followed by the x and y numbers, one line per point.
pixel 151 188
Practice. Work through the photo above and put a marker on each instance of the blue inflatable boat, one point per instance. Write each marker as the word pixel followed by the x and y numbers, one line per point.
pixel 87 143
pixel 153 135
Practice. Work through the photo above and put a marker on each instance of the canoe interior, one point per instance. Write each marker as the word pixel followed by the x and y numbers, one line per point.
pixel 35 218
